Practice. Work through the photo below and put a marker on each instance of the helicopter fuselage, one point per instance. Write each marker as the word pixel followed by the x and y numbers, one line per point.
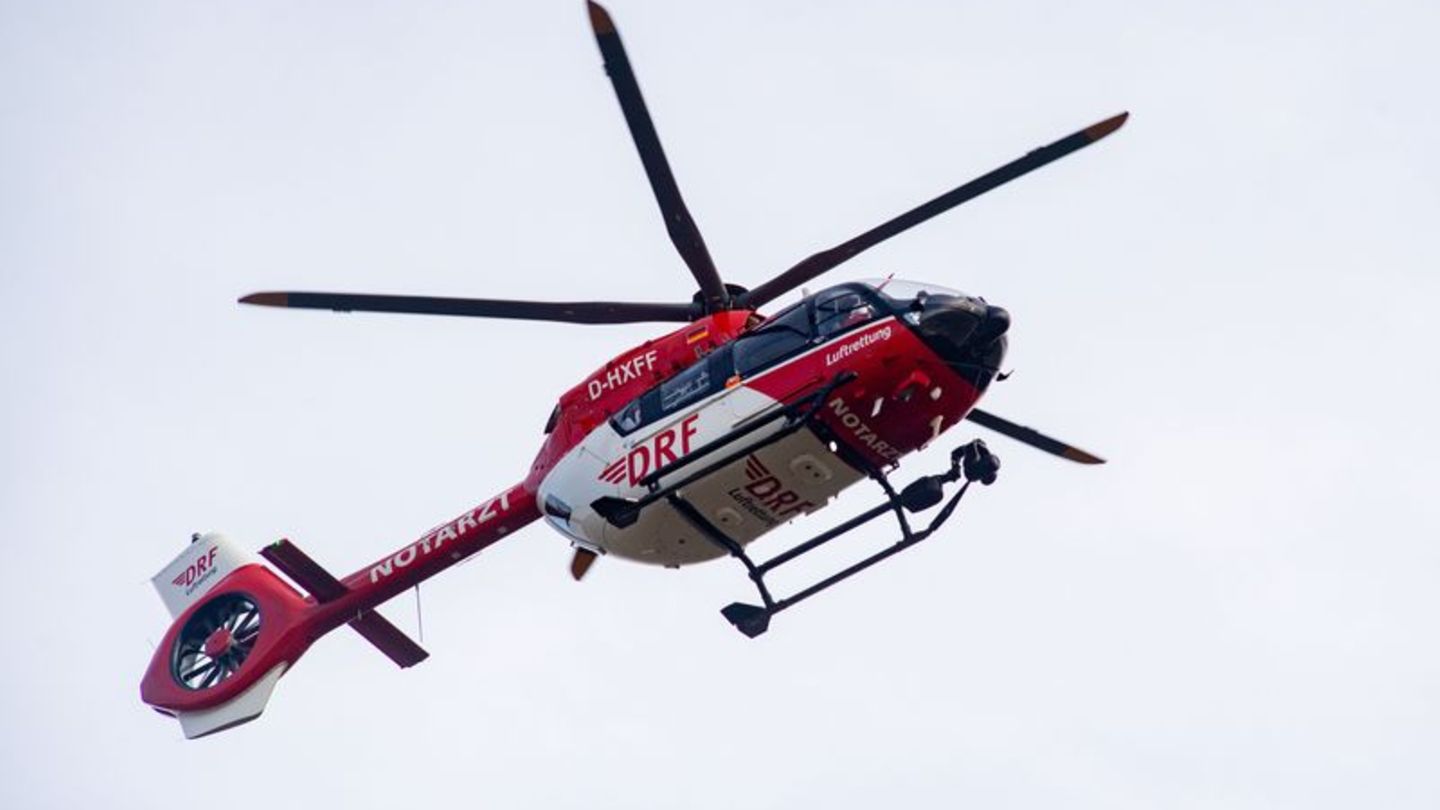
pixel 906 371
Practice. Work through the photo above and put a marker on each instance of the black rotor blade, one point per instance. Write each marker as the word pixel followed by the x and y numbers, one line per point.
pixel 682 228
pixel 573 312
pixel 1032 437
pixel 827 259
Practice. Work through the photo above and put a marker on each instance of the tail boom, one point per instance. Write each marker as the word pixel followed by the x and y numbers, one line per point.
pixel 214 669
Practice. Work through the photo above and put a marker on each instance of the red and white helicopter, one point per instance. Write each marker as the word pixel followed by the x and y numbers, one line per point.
pixel 684 449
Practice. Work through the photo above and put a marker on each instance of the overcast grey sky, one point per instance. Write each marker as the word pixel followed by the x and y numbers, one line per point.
pixel 1231 299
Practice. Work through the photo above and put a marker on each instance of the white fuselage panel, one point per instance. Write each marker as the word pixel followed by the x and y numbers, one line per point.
pixel 744 499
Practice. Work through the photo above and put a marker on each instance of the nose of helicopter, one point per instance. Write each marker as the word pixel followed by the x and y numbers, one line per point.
pixel 967 333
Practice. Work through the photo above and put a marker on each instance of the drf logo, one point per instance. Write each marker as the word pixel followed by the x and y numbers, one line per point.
pixel 196 570
pixel 766 497
pixel 665 447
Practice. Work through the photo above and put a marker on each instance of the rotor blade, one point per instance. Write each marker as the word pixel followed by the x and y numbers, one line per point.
pixel 573 312
pixel 1032 437
pixel 581 562
pixel 827 259
pixel 678 222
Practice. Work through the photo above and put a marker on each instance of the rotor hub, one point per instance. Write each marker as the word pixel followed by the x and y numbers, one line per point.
pixel 218 643
pixel 215 641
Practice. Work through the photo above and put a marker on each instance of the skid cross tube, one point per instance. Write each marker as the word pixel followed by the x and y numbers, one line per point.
pixel 621 513
pixel 911 538
pixel 823 538
pixel 719 538
pixel 972 461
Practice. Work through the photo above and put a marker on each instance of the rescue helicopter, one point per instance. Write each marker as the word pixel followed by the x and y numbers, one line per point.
pixel 684 449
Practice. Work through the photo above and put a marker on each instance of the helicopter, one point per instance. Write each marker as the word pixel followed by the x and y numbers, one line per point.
pixel 684 449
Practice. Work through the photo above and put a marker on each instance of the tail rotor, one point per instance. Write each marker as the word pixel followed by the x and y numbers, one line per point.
pixel 215 642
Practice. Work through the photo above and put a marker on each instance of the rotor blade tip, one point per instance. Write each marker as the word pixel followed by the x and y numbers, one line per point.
pixel 581 562
pixel 600 18
pixel 1109 125
pixel 267 299
pixel 1078 455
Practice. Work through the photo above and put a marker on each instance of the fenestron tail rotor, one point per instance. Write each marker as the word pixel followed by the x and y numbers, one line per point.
pixel 215 642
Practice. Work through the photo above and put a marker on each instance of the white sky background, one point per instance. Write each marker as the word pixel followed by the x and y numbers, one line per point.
pixel 1231 298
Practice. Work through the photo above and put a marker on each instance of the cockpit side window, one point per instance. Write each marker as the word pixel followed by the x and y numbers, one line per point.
pixel 840 310
pixel 629 418
pixel 787 333
pixel 695 383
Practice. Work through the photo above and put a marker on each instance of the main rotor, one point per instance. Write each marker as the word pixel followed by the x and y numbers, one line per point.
pixel 714 294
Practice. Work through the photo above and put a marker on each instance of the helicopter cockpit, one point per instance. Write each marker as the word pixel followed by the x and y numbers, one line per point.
pixel 966 332
pixel 788 332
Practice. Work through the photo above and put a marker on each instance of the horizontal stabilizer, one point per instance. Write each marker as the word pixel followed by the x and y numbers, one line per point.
pixel 303 571
pixel 389 639
pixel 322 585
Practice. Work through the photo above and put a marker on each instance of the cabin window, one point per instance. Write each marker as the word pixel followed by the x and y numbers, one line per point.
pixel 628 419
pixel 787 333
pixel 686 387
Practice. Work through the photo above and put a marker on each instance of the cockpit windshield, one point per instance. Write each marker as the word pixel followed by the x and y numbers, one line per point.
pixel 903 291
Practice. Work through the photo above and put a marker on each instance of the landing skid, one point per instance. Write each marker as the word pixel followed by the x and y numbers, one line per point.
pixel 973 462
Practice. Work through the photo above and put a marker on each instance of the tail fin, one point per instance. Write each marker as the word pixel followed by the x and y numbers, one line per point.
pixel 229 644
pixel 198 569
pixel 238 627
